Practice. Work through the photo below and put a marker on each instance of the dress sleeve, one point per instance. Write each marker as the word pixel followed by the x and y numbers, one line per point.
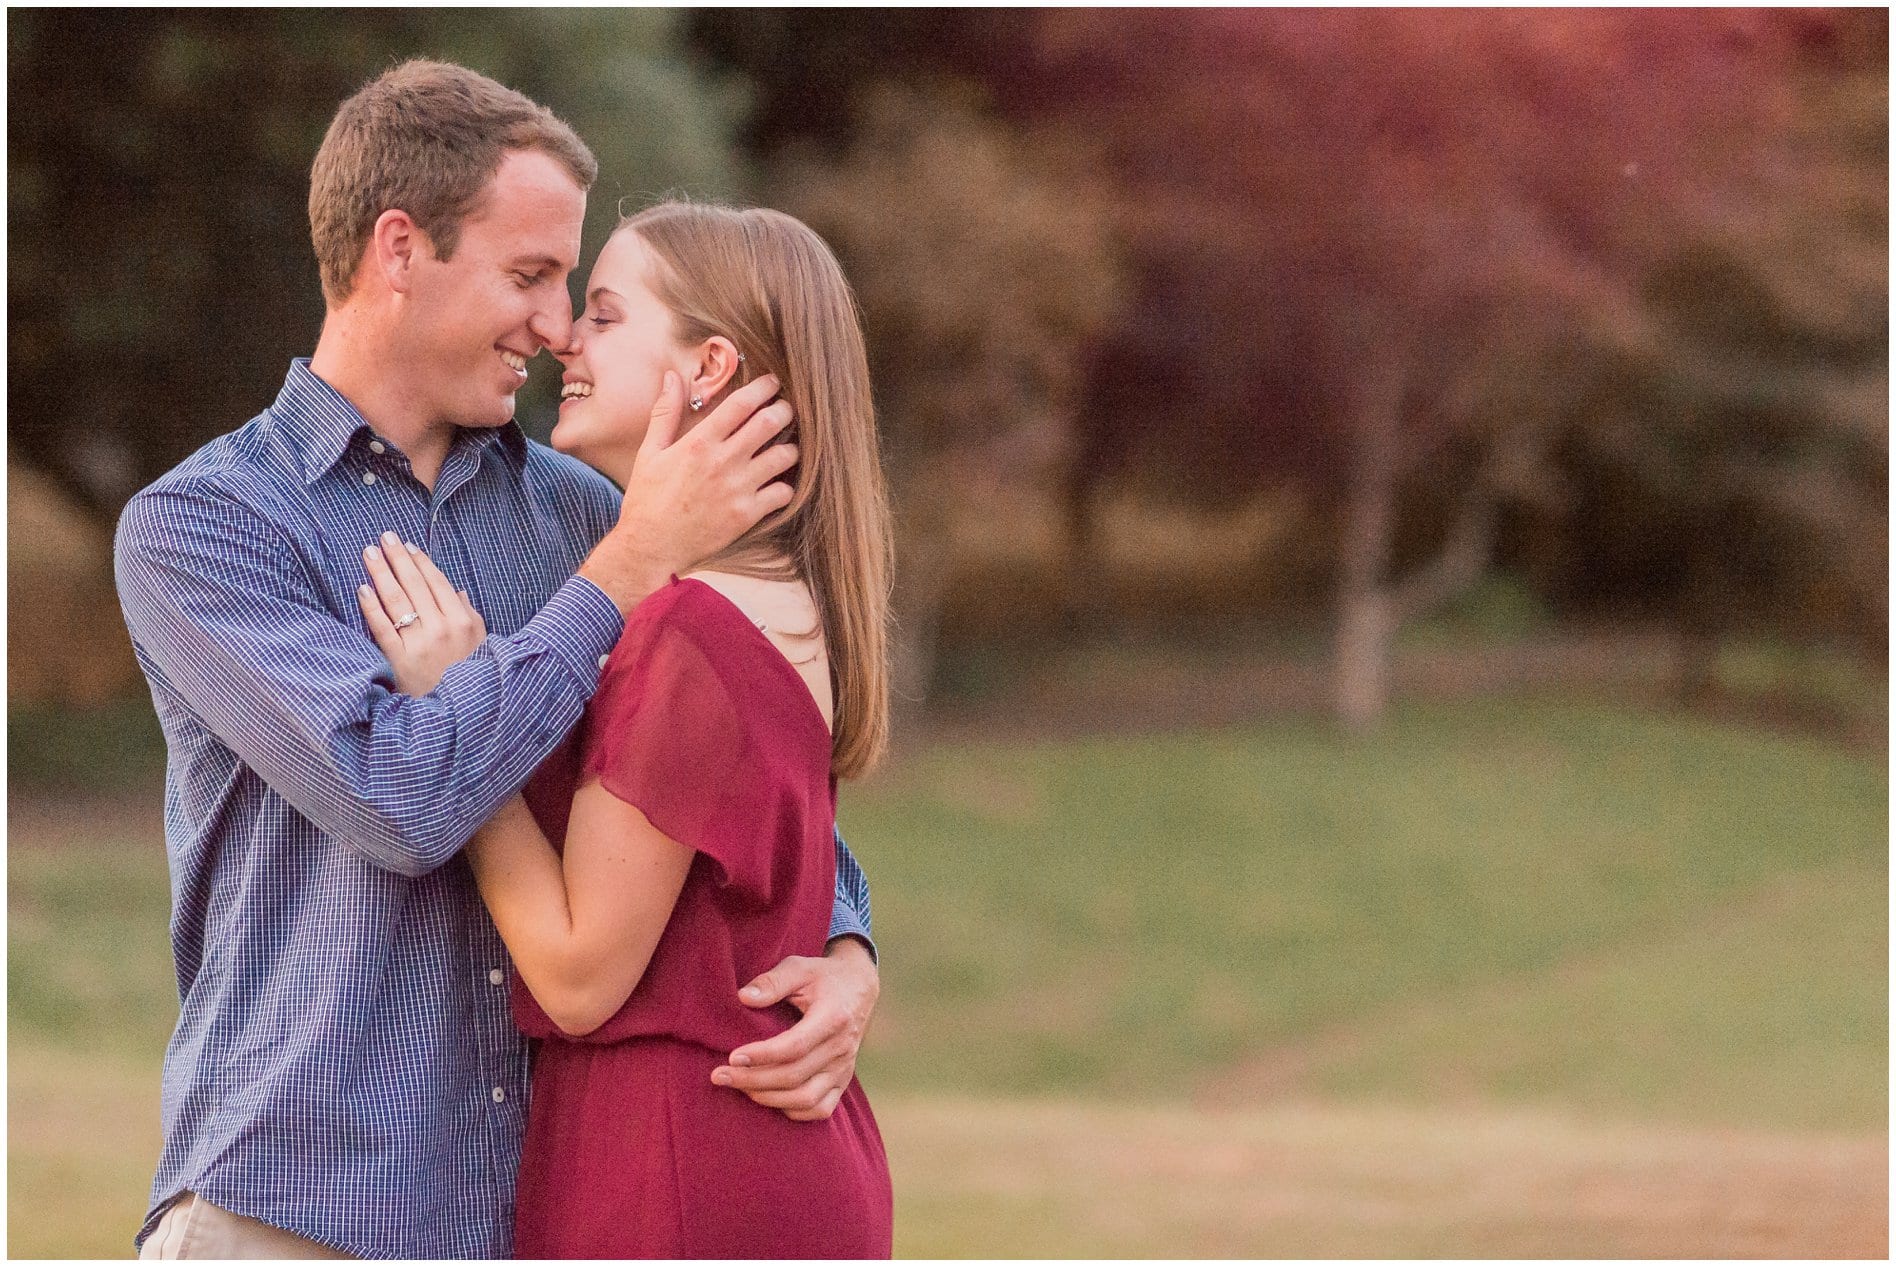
pixel 670 737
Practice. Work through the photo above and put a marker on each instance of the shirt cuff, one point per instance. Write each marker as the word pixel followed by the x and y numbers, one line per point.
pixel 580 626
pixel 845 924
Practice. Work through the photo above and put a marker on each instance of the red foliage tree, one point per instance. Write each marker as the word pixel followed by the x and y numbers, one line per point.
pixel 1380 249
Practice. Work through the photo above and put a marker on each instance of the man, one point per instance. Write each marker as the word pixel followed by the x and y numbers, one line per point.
pixel 345 1078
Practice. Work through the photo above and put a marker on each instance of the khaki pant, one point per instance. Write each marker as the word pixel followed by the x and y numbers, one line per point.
pixel 194 1228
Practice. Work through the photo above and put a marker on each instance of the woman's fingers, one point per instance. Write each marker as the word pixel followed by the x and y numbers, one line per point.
pixel 446 629
pixel 784 1077
pixel 380 627
pixel 764 426
pixel 388 588
pixel 736 409
pixel 480 625
pixel 421 598
pixel 823 1110
pixel 445 596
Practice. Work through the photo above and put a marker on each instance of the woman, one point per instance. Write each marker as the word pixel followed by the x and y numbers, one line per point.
pixel 680 843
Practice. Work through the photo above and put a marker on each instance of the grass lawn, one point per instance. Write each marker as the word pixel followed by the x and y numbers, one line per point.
pixel 1530 901
pixel 1522 977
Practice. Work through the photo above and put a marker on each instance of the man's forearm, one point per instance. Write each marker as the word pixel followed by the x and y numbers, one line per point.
pixel 477 737
pixel 626 573
pixel 850 914
pixel 238 635
pixel 850 945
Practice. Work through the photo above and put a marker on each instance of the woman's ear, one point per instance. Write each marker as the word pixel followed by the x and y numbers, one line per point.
pixel 718 361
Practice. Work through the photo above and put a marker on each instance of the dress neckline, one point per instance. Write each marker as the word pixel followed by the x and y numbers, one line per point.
pixel 776 653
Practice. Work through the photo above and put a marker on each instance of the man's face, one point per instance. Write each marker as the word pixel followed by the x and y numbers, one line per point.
pixel 471 323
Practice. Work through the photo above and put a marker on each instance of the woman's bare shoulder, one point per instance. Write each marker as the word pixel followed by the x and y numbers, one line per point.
pixel 781 604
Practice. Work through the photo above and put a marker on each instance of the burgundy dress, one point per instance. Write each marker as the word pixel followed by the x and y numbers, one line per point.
pixel 631 1150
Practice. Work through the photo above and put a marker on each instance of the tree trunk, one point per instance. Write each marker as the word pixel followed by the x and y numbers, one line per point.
pixel 921 582
pixel 917 604
pixel 1365 611
pixel 1083 600
pixel 1364 637
pixel 1695 662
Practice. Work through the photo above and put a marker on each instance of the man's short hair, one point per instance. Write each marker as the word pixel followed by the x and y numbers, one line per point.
pixel 425 138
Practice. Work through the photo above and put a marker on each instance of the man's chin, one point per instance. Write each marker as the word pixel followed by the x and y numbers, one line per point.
pixel 492 414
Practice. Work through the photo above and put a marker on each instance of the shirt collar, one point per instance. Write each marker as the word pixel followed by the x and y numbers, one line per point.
pixel 320 424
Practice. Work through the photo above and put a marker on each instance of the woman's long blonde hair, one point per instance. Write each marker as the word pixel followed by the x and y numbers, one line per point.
pixel 770 285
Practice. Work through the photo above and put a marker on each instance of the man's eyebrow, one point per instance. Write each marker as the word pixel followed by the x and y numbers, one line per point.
pixel 538 263
pixel 597 291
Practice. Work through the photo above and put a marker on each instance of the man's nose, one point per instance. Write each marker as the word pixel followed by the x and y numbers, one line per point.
pixel 553 327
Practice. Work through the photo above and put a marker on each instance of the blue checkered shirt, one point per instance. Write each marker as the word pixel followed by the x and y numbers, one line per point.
pixel 344 1064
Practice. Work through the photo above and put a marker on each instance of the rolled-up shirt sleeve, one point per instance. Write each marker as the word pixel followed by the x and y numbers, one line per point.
pixel 223 608
pixel 849 917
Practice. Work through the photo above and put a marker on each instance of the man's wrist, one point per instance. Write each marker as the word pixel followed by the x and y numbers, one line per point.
pixel 625 573
pixel 578 625
pixel 847 945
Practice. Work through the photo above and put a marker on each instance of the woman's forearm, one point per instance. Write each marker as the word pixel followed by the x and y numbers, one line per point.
pixel 581 928
pixel 523 883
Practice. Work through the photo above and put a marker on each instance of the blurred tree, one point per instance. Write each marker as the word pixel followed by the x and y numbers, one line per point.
pixel 1729 457
pixel 983 265
pixel 811 70
pixel 60 653
pixel 1378 252
pixel 158 162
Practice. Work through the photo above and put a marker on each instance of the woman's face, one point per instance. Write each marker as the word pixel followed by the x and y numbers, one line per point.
pixel 622 346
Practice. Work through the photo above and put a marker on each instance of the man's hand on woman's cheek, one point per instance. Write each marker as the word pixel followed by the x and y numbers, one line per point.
pixel 804 1071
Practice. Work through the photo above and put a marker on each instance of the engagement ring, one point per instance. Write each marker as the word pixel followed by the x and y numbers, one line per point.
pixel 407 620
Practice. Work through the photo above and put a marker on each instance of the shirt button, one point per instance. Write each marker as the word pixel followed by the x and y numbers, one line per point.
pixel 496 975
pixel 603 659
pixel 499 1095
pixel 368 477
pixel 376 446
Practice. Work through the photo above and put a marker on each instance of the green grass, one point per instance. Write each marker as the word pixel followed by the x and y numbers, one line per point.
pixel 1508 905
pixel 1501 609
pixel 89 950
pixel 1763 1014
pixel 1825 680
pixel 91 999
pixel 1133 917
